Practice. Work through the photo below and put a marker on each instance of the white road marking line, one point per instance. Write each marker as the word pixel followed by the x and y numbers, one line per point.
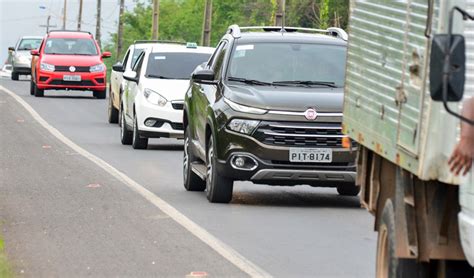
pixel 221 248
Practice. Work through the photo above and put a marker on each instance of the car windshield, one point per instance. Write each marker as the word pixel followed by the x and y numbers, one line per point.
pixel 70 46
pixel 292 64
pixel 174 65
pixel 29 44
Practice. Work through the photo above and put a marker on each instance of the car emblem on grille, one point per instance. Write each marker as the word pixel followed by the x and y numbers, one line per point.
pixel 310 114
pixel 72 68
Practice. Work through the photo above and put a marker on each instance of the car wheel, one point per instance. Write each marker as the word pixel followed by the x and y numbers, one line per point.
pixel 112 112
pixel 192 182
pixel 99 94
pixel 15 76
pixel 38 92
pixel 125 134
pixel 218 188
pixel 348 189
pixel 137 141
pixel 32 87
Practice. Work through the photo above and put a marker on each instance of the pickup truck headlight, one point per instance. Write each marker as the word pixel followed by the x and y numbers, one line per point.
pixel 46 67
pixel 244 109
pixel 97 68
pixel 243 126
pixel 154 98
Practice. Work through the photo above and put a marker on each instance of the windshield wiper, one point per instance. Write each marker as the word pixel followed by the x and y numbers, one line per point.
pixel 249 81
pixel 307 83
pixel 158 76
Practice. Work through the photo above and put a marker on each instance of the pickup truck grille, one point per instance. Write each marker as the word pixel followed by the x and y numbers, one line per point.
pixel 295 134
pixel 66 69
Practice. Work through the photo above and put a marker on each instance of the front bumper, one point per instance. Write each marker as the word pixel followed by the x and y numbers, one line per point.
pixel 54 81
pixel 273 165
pixel 169 119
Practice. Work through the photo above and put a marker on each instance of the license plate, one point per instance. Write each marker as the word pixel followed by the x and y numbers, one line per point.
pixel 76 78
pixel 311 155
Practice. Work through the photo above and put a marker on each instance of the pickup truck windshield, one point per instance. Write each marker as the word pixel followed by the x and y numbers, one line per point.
pixel 291 64
pixel 174 65
pixel 29 44
pixel 70 46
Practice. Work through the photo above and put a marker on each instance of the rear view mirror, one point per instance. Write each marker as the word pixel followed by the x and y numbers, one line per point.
pixel 130 76
pixel 106 54
pixel 34 52
pixel 118 67
pixel 456 68
pixel 11 49
pixel 203 75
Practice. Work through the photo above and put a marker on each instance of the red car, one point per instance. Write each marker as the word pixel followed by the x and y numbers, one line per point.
pixel 68 60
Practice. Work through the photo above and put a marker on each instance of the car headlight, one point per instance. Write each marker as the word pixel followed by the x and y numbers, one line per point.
pixel 154 98
pixel 97 68
pixel 244 109
pixel 243 126
pixel 46 67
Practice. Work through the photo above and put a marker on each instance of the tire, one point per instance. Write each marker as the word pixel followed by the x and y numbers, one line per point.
pixel 389 266
pixel 15 76
pixel 126 136
pixel 32 87
pixel 112 112
pixel 192 182
pixel 99 94
pixel 348 189
pixel 218 189
pixel 138 142
pixel 38 92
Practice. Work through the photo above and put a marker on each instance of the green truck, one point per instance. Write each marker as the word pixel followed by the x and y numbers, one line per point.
pixel 396 81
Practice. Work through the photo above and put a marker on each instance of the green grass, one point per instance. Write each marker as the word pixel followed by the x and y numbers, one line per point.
pixel 5 268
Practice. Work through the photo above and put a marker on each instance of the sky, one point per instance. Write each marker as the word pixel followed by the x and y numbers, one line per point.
pixel 23 17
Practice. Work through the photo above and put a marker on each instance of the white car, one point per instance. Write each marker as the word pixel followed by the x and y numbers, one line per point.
pixel 154 90
pixel 6 71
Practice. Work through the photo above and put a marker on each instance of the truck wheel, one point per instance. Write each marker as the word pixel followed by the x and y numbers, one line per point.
pixel 99 94
pixel 15 76
pixel 125 134
pixel 112 112
pixel 192 182
pixel 389 266
pixel 219 189
pixel 32 87
pixel 38 92
pixel 137 141
pixel 348 189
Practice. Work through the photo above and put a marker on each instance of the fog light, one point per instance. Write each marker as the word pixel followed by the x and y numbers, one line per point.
pixel 243 162
pixel 150 122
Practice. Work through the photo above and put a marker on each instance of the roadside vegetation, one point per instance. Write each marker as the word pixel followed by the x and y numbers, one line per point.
pixel 182 20
pixel 5 268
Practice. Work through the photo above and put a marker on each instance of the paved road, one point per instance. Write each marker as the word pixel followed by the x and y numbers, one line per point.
pixel 287 231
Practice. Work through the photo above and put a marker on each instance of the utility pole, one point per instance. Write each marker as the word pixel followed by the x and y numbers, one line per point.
pixel 47 24
pixel 280 14
pixel 156 15
pixel 64 14
pixel 97 27
pixel 120 29
pixel 206 25
pixel 79 17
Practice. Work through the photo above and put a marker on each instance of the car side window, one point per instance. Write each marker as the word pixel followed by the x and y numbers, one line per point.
pixel 138 64
pixel 219 59
pixel 125 59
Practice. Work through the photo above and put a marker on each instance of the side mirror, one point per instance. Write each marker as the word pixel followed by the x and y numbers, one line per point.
pixel 34 52
pixel 11 49
pixel 106 54
pixel 118 67
pixel 203 75
pixel 130 76
pixel 450 75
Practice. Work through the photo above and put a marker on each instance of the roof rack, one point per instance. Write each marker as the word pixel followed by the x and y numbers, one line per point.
pixel 76 31
pixel 236 31
pixel 158 41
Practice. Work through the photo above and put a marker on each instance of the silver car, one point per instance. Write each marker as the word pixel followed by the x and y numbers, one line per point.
pixel 21 56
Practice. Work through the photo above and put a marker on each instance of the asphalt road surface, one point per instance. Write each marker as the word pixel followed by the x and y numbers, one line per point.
pixel 57 220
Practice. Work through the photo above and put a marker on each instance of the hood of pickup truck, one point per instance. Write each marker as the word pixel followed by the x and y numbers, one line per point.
pixel 287 98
